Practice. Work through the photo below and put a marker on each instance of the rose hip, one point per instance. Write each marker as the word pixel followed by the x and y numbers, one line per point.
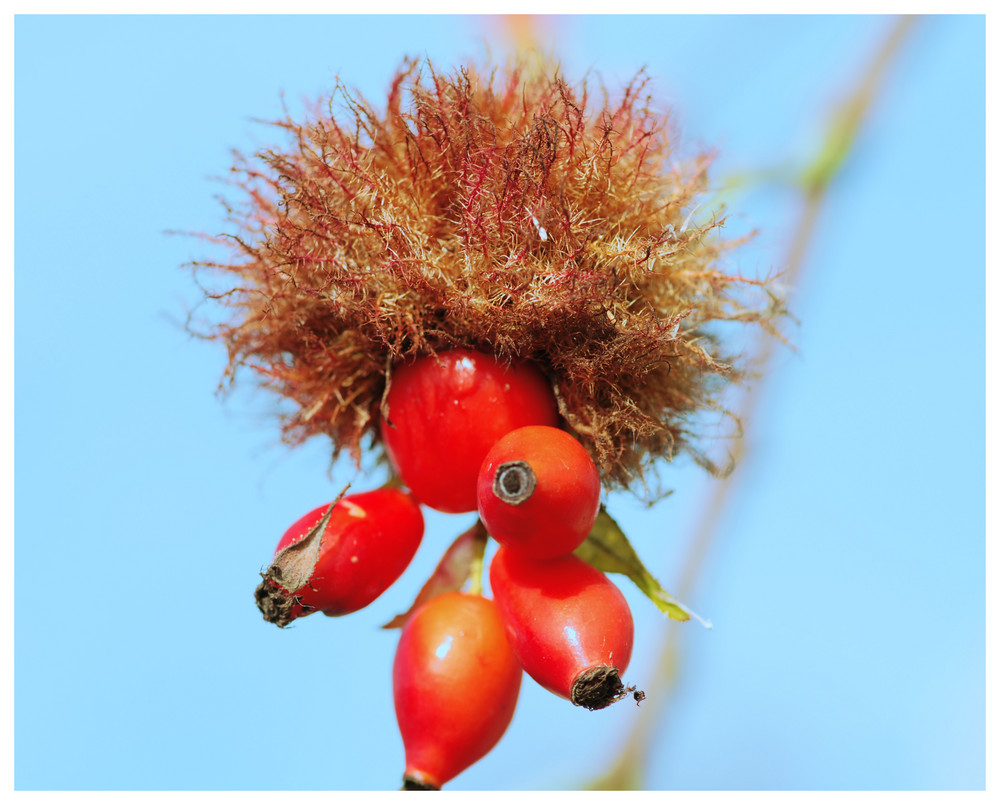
pixel 445 411
pixel 340 557
pixel 570 627
pixel 539 492
pixel 455 684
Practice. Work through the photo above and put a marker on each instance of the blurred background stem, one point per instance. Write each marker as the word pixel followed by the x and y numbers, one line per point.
pixel 628 771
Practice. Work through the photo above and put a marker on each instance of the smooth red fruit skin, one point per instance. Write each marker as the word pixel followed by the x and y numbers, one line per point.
pixel 562 616
pixel 455 682
pixel 560 510
pixel 446 411
pixel 367 544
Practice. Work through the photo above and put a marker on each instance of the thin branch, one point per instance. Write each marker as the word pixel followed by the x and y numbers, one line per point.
pixel 628 771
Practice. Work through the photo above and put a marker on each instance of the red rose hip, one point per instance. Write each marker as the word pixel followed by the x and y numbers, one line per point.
pixel 445 411
pixel 366 543
pixel 455 682
pixel 571 628
pixel 539 492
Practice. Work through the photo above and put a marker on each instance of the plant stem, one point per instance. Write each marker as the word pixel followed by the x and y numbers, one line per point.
pixel 628 771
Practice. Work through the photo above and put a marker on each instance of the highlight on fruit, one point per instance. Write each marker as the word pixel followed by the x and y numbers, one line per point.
pixel 506 286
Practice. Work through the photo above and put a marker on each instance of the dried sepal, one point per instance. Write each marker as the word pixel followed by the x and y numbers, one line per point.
pixel 278 595
pixel 453 570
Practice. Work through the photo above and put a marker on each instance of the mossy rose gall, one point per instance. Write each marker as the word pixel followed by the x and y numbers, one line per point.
pixel 381 235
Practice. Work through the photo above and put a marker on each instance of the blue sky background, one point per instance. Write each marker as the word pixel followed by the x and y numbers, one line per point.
pixel 847 583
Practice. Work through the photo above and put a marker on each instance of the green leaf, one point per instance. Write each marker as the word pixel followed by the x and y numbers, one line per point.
pixel 608 549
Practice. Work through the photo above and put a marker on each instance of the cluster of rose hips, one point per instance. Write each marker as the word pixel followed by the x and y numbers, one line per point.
pixel 467 432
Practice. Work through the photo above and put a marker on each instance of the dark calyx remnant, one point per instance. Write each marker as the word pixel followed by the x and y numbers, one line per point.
pixel 413 784
pixel 275 603
pixel 290 572
pixel 514 482
pixel 600 686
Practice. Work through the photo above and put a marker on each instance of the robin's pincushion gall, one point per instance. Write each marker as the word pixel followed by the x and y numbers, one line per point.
pixel 501 211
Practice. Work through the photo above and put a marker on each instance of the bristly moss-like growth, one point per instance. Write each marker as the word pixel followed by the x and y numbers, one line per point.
pixel 507 213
